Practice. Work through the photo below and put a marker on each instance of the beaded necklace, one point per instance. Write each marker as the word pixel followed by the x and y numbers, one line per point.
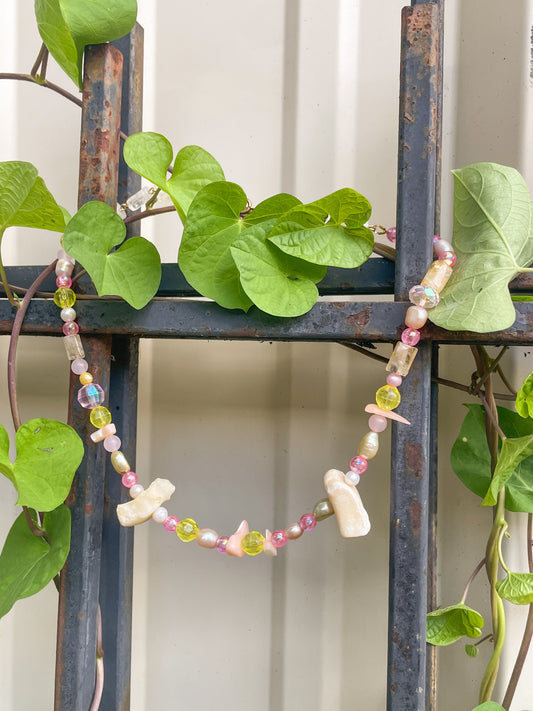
pixel 343 498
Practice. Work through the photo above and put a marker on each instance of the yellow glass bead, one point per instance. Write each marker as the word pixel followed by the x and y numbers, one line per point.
pixel 64 298
pixel 187 529
pixel 388 397
pixel 100 417
pixel 86 378
pixel 252 543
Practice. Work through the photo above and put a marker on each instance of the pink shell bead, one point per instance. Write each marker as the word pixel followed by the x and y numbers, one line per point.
pixel 377 423
pixel 359 464
pixel 70 328
pixel 307 522
pixel 410 336
pixel 279 538
pixel 129 479
pixel 394 379
pixel 79 366
pixel 170 523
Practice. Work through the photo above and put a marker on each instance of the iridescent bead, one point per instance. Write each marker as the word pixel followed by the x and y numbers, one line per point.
pixel 293 531
pixel 307 522
pixel 222 542
pixel 410 336
pixel 394 379
pixel 352 478
pixel 74 347
pixel 424 296
pixel 279 538
pixel 70 328
pixel 64 298
pixel 68 314
pixel 369 445
pixel 170 523
pixel 135 490
pixel 64 266
pixel 112 443
pixel 440 246
pixel 129 479
pixel 322 509
pixel 207 538
pixel 79 366
pixel 187 529
pixel 104 432
pixel 91 395
pixel 252 543
pixel 119 462
pixel 359 464
pixel 100 417
pixel 415 317
pixel 160 514
pixel 377 423
pixel 391 234
pixel 86 378
pixel 449 258
pixel 401 359
pixel 64 280
pixel 388 397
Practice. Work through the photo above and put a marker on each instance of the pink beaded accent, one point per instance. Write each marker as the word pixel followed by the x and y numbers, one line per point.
pixel 410 336
pixel 442 245
pixel 171 523
pixel 279 538
pixel 394 379
pixel 129 479
pixel 222 542
pixel 377 423
pixel 79 366
pixel 307 522
pixel 70 328
pixel 391 234
pixel 359 464
pixel 112 443
pixel 436 238
pixel 448 257
pixel 64 280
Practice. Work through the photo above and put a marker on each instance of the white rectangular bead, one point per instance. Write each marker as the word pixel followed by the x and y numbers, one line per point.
pixel 73 346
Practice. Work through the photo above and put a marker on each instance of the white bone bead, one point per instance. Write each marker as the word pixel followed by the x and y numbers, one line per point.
pixel 352 517
pixel 146 503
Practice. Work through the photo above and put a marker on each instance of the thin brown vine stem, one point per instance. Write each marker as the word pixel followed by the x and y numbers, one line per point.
pixel 505 381
pixel 470 580
pixel 46 84
pixel 490 367
pixel 385 251
pixel 148 213
pixel 99 681
pixel 39 60
pixel 528 629
pixel 489 412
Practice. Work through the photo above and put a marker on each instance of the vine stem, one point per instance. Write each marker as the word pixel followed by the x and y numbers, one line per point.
pixel 99 682
pixel 149 213
pixel 479 566
pixel 47 85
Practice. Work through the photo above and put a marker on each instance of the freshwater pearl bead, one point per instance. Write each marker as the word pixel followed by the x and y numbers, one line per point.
pixel 135 490
pixel 377 423
pixel 222 542
pixel 369 445
pixel 279 538
pixel 322 509
pixel 112 443
pixel 307 522
pixel 293 531
pixel 64 266
pixel 129 479
pixel 170 523
pixel 79 366
pixel 62 254
pixel 442 245
pixel 68 314
pixel 416 317
pixel 86 378
pixel 160 515
pixel 352 478
pixel 394 379
pixel 70 328
pixel 119 462
pixel 207 538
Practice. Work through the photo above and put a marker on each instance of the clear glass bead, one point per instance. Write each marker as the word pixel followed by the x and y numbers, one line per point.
pixel 139 199
pixel 401 359
pixel 91 395
pixel 424 296
pixel 74 349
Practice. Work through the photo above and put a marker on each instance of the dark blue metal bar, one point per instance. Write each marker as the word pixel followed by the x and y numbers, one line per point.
pixel 80 578
pixel 417 168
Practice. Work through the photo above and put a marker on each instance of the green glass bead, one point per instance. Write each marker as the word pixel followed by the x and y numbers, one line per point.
pixel 187 529
pixel 323 509
pixel 100 417
pixel 64 298
pixel 388 397
pixel 252 543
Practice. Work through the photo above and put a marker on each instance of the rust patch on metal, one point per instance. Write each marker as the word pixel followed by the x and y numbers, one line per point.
pixel 414 458
pixel 89 509
pixel 359 319
pixel 416 517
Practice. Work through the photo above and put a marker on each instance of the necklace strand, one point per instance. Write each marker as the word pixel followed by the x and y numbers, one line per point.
pixel 342 499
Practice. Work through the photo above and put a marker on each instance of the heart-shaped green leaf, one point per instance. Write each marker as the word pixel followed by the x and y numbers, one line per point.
pixel 48 454
pixel 329 231
pixel 28 562
pixel 516 588
pixel 447 625
pixel 277 283
pixel 5 463
pixel 512 453
pixel 470 457
pixel 67 26
pixel 150 154
pixel 492 237
pixel 25 200
pixel 489 706
pixel 524 398
pixel 133 271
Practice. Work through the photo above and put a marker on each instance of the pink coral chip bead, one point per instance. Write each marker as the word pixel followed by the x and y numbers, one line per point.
pixel 171 523
pixel 279 538
pixel 307 522
pixel 129 479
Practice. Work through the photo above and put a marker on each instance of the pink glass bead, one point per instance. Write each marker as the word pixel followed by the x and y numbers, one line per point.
pixel 112 443
pixel 79 366
pixel 64 280
pixel 359 464
pixel 436 238
pixel 222 542
pixel 279 538
pixel 394 379
pixel 410 336
pixel 129 479
pixel 448 257
pixel 170 523
pixel 307 522
pixel 377 423
pixel 70 328
pixel 391 234
pixel 90 396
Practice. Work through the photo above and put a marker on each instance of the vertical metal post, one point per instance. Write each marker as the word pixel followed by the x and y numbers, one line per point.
pixel 417 168
pixel 78 602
